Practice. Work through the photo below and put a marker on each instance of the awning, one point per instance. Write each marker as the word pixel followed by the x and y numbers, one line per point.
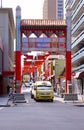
pixel 77 74
pixel 64 81
pixel 50 76
pixel 81 75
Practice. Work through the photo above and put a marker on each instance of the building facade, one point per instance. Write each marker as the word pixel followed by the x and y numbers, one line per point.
pixel 75 8
pixel 1 65
pixel 7 34
pixel 53 9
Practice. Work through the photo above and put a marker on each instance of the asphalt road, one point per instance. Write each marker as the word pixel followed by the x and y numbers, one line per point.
pixel 42 116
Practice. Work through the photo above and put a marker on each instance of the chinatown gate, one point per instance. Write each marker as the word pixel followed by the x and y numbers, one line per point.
pixel 38 27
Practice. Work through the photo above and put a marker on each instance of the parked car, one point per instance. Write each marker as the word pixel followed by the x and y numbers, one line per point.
pixel 42 90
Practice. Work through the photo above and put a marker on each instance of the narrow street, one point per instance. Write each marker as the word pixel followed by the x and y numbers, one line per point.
pixel 42 116
pixel 42 57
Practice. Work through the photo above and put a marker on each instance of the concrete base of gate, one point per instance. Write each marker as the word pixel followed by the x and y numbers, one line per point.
pixel 70 97
pixel 19 98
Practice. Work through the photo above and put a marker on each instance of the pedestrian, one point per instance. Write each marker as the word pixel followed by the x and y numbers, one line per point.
pixel 11 96
pixel 8 87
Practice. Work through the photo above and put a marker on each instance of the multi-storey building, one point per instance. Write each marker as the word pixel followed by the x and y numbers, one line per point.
pixel 7 34
pixel 53 9
pixel 1 65
pixel 76 11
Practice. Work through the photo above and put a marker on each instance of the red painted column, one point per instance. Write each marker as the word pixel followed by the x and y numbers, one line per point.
pixel 18 71
pixel 68 69
pixel 18 51
pixel 68 53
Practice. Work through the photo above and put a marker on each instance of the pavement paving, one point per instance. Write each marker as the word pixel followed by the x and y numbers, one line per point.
pixel 3 101
pixel 79 102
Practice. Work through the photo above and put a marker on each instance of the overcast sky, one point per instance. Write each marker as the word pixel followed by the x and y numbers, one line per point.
pixel 30 9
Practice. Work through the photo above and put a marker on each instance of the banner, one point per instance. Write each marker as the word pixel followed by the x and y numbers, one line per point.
pixel 39 44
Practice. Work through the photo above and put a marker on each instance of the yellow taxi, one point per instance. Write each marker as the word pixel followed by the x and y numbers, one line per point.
pixel 42 90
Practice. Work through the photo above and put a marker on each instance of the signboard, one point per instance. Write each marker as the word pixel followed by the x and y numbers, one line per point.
pixel 60 77
pixel 61 42
pixel 43 44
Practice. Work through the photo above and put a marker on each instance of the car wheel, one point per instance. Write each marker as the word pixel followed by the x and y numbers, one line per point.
pixel 51 100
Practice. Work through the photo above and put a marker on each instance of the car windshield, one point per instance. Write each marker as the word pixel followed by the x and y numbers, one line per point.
pixel 44 88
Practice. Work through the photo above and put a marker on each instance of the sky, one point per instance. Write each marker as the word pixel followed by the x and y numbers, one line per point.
pixel 30 9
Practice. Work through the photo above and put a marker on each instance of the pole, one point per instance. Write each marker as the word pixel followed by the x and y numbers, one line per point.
pixel 56 74
pixel 68 50
pixel 18 50
pixel 55 77
pixel 1 3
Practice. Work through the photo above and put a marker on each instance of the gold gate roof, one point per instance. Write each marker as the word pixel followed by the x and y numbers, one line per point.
pixel 42 22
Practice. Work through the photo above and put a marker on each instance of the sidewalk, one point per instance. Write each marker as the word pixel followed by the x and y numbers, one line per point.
pixel 3 100
pixel 80 100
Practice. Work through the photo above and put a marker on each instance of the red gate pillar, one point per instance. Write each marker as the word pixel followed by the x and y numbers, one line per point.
pixel 18 51
pixel 68 54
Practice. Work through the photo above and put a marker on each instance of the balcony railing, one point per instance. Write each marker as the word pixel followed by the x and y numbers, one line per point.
pixel 78 23
pixel 79 68
pixel 79 6
pixel 66 2
pixel 78 39
pixel 78 55
pixel 72 3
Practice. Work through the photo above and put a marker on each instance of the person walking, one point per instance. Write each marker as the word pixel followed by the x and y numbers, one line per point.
pixel 11 96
